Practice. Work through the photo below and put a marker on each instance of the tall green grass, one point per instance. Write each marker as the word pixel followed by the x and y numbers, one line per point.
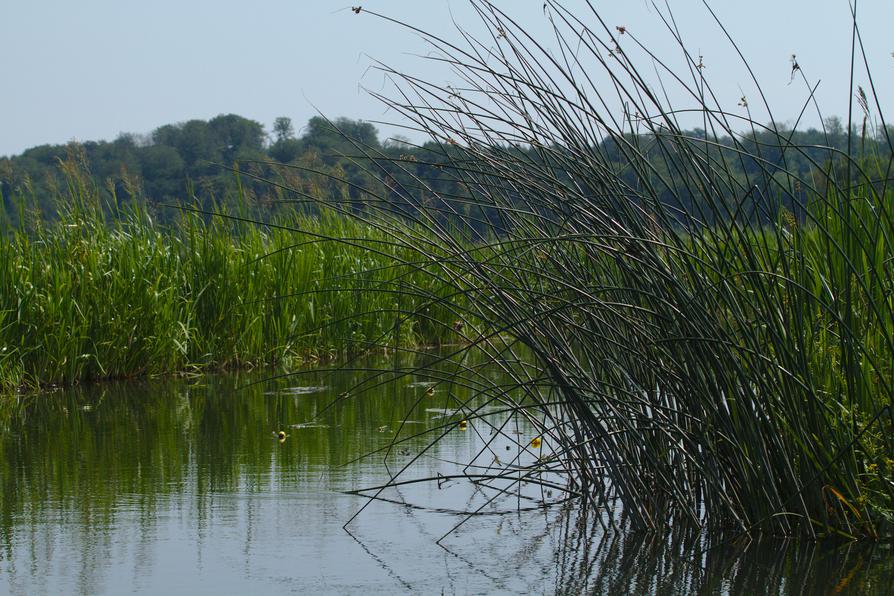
pixel 719 360
pixel 97 295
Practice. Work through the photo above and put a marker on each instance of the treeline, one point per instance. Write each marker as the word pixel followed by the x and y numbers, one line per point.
pixel 227 162
pixel 191 163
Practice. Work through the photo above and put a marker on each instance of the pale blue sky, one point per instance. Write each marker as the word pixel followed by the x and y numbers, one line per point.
pixel 91 69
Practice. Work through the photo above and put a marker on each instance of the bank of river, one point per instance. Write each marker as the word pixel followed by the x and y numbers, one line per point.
pixel 180 486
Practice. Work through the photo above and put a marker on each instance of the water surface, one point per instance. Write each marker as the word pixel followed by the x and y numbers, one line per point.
pixel 180 486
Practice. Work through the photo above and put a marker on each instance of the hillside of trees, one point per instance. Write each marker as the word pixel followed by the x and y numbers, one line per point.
pixel 189 163
pixel 194 163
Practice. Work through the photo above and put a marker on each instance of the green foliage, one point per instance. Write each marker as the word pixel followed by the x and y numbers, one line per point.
pixel 87 297
pixel 283 129
pixel 181 163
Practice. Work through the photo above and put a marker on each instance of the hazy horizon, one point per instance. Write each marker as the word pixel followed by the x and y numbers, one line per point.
pixel 91 72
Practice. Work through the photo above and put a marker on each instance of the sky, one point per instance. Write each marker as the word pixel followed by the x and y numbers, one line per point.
pixel 92 69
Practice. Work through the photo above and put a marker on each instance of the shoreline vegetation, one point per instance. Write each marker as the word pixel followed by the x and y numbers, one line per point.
pixel 96 294
pixel 707 316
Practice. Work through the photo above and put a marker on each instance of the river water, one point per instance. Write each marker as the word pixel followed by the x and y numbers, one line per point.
pixel 180 486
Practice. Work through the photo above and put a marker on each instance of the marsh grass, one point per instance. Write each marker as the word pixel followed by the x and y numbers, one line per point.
pixel 106 293
pixel 721 359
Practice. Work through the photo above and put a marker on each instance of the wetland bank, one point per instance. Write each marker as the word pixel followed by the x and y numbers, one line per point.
pixel 665 363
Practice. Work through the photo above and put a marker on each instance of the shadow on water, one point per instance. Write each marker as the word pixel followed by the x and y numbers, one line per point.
pixel 181 485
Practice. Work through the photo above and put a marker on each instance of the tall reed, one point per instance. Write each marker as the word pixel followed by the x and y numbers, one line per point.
pixel 721 358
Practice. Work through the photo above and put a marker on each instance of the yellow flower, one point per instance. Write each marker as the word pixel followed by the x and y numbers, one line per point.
pixel 535 442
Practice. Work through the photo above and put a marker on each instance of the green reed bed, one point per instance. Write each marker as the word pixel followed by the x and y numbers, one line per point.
pixel 710 333
pixel 92 296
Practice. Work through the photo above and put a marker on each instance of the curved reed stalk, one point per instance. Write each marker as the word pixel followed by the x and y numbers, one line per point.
pixel 705 344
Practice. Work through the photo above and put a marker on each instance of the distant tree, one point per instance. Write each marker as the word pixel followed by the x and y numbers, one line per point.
pixel 125 141
pixel 331 138
pixel 282 129
pixel 358 130
pixel 233 135
pixel 834 126
pixel 163 171
pixel 168 135
pixel 195 143
pixel 286 147
pixel 48 155
pixel 286 150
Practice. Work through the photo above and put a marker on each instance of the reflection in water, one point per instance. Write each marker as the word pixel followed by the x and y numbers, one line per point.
pixel 641 563
pixel 182 486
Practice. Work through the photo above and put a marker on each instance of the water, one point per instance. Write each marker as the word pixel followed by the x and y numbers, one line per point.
pixel 181 487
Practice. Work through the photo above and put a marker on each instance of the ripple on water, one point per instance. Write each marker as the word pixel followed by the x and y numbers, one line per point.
pixel 298 390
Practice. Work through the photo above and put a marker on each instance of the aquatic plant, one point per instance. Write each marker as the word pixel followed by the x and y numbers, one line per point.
pixel 106 293
pixel 703 346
